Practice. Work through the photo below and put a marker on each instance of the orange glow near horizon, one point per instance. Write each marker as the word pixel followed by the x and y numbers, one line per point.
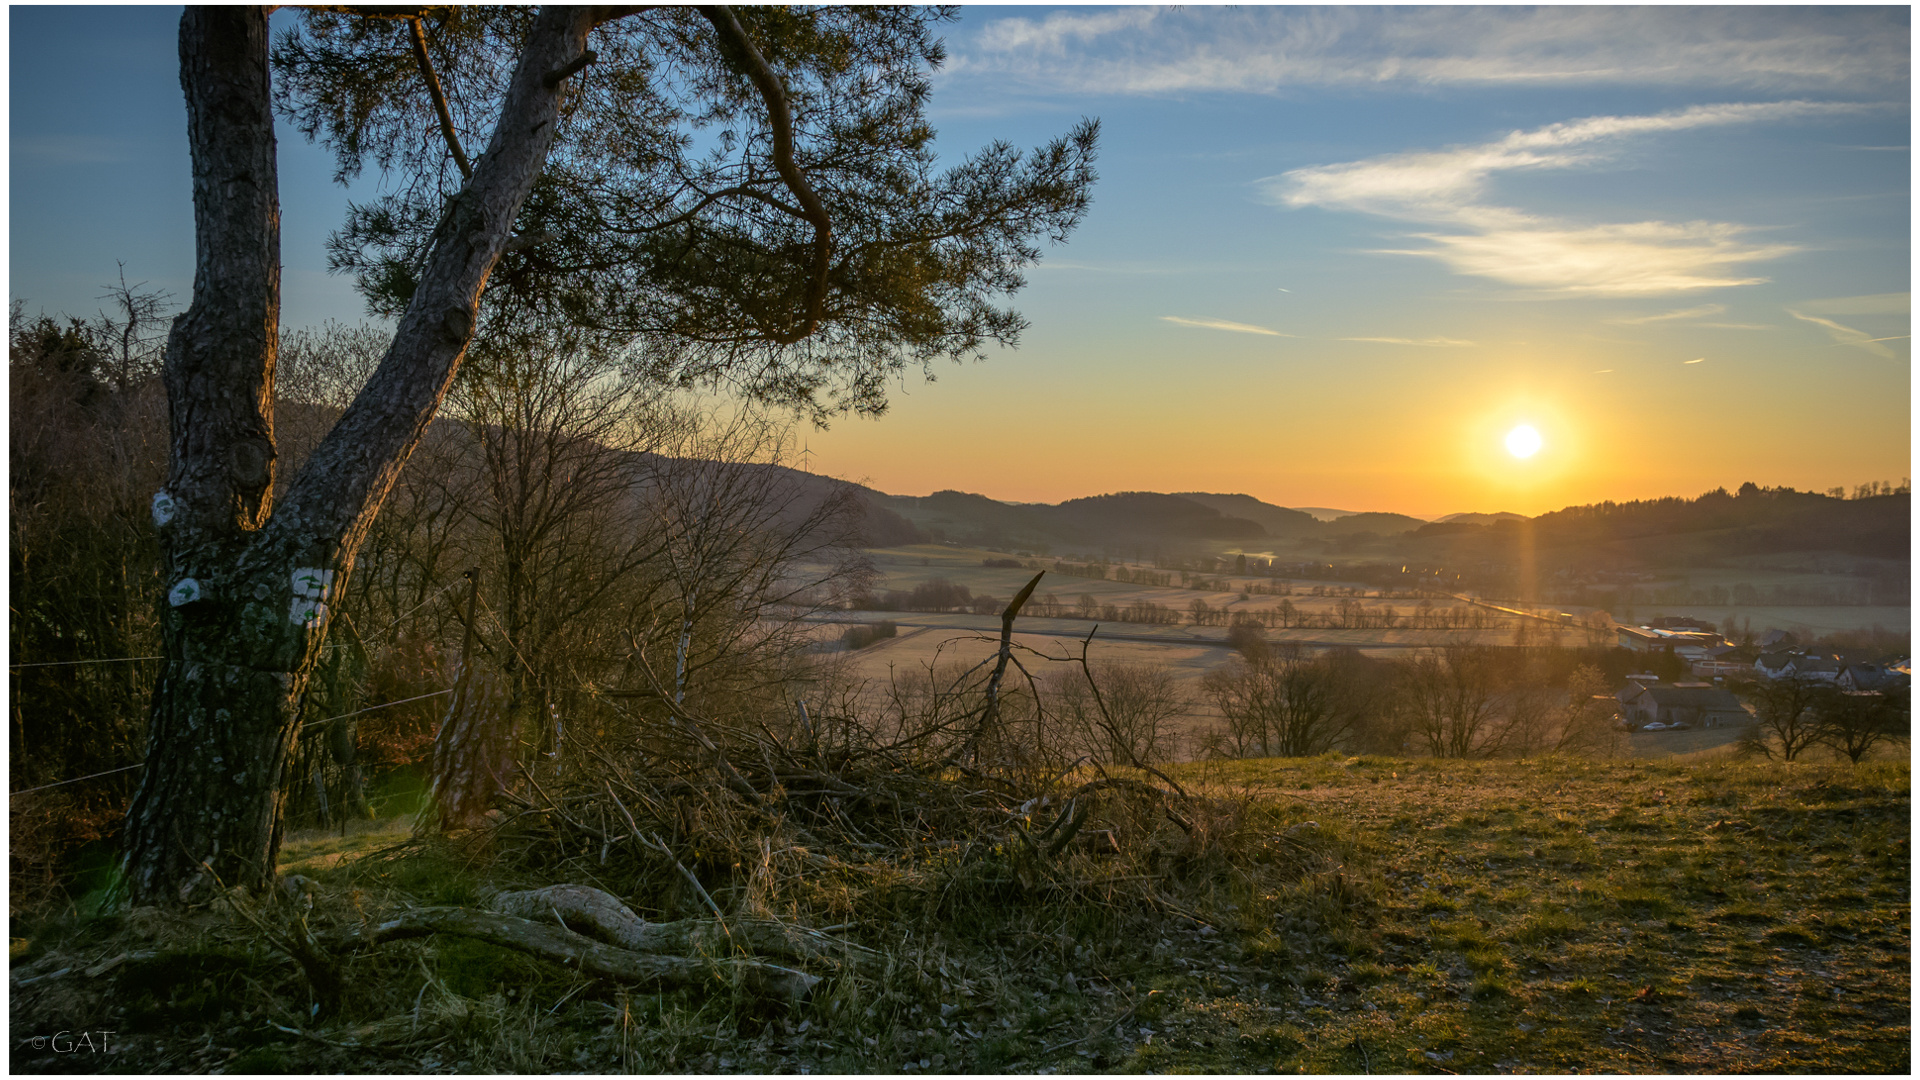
pixel 1420 438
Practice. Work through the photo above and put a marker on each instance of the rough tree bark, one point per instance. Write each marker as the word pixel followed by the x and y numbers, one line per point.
pixel 249 583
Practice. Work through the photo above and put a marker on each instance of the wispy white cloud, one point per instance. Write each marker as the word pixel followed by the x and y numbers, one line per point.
pixel 1847 335
pixel 1222 324
pixel 1648 258
pixel 1436 342
pixel 1446 185
pixel 1897 303
pixel 1737 326
pixel 1262 50
pixel 1053 35
pixel 1700 312
pixel 1448 188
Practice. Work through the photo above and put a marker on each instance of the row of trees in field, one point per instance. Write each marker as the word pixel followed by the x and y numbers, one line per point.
pixel 1169 575
pixel 1454 702
pixel 1465 702
pixel 942 595
pixel 1460 702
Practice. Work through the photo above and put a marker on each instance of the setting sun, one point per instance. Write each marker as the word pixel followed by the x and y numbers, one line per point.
pixel 1523 441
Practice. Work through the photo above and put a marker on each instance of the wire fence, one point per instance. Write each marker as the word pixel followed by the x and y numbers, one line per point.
pixel 378 634
pixel 303 727
pixel 73 663
pixel 382 632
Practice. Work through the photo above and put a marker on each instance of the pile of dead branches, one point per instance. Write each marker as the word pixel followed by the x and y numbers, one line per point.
pixel 740 836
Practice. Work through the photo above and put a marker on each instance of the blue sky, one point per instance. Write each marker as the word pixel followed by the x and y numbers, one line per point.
pixel 1335 254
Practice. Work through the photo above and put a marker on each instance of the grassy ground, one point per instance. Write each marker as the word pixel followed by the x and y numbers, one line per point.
pixel 1560 916
pixel 1351 915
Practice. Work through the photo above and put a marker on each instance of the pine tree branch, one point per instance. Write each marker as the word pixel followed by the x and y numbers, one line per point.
pixel 780 118
pixel 419 34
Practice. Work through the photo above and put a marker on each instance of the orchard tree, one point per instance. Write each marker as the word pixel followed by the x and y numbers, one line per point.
pixel 1789 715
pixel 1852 723
pixel 748 197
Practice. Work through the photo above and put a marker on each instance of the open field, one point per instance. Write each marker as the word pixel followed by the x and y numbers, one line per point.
pixel 1820 620
pixel 902 568
pixel 1364 915
pixel 961 633
pixel 905 567
pixel 922 644
pixel 955 642
pixel 1694 743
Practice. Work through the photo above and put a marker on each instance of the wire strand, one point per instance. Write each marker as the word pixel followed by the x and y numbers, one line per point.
pixel 77 779
pixel 372 708
pixel 70 663
pixel 308 724
pixel 380 633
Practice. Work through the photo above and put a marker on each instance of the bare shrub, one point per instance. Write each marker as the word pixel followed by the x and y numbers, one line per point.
pixel 1587 720
pixel 1286 703
pixel 1119 713
pixel 1451 699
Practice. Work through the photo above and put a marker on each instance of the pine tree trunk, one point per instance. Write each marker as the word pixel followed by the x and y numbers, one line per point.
pixel 249 583
pixel 207 812
pixel 224 706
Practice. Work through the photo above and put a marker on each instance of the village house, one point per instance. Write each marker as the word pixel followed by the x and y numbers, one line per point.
pixel 1689 644
pixel 1814 668
pixel 1862 677
pixel 1691 704
pixel 1725 661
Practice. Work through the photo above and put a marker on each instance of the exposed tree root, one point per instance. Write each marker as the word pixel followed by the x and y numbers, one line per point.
pixel 582 953
pixel 600 915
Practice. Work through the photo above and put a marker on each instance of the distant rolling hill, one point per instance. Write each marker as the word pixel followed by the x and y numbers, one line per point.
pixel 1276 520
pixel 1380 524
pixel 969 518
pixel 1127 517
pixel 1324 513
pixel 1130 516
pixel 1651 533
pixel 1147 514
pixel 803 492
pixel 1681 532
pixel 1311 522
